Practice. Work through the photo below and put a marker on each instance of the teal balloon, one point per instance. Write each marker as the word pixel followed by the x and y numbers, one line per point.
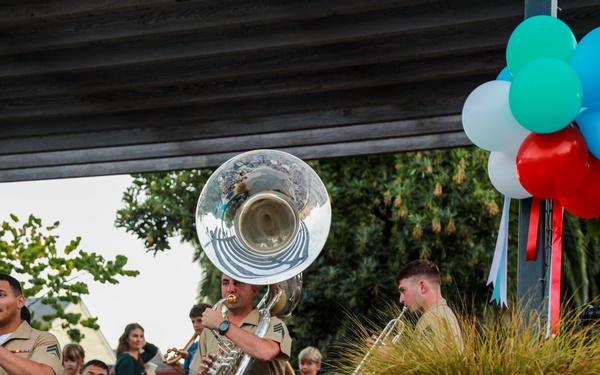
pixel 546 95
pixel 537 37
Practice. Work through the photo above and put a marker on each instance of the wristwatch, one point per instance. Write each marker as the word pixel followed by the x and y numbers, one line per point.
pixel 223 327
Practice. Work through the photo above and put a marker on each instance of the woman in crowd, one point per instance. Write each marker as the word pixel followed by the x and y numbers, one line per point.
pixel 133 352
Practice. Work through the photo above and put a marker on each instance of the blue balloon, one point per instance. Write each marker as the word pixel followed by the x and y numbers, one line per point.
pixel 589 125
pixel 586 62
pixel 504 75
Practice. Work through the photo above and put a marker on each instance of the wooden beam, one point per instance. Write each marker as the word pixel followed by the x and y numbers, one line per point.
pixel 77 26
pixel 298 34
pixel 300 138
pixel 412 101
pixel 205 13
pixel 431 141
pixel 190 92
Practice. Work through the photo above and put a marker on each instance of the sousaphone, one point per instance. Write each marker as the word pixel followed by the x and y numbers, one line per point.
pixel 262 218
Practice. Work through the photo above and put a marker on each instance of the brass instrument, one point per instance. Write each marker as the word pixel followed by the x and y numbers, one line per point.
pixel 229 354
pixel 262 218
pixel 173 355
pixel 393 325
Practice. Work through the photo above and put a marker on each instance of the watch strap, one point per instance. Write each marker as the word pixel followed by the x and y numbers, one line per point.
pixel 223 327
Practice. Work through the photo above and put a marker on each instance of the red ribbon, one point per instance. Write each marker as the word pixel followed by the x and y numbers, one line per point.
pixel 534 222
pixel 557 227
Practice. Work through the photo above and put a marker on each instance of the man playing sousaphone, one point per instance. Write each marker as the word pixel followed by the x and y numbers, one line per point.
pixel 271 352
pixel 262 218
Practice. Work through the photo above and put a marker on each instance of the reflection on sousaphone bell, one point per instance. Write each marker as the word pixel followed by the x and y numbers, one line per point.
pixel 263 217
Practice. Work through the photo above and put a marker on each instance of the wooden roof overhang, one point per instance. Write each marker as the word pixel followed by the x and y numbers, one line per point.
pixel 102 87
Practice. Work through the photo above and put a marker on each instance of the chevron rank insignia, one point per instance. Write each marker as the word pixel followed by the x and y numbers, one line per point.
pixel 428 331
pixel 53 351
pixel 279 329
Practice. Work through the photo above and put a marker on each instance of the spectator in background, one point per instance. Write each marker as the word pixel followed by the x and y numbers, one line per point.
pixel 73 357
pixel 309 361
pixel 196 318
pixel 94 367
pixel 133 352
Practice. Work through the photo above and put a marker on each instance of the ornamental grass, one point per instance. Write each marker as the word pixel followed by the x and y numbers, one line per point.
pixel 504 342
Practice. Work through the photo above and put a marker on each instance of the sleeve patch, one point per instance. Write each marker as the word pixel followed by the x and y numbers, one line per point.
pixel 279 329
pixel 53 351
pixel 428 332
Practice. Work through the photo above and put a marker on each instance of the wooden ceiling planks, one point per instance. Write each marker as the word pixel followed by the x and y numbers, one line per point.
pixel 92 88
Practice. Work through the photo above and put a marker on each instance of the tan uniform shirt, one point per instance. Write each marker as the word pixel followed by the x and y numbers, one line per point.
pixel 440 326
pixel 277 332
pixel 37 346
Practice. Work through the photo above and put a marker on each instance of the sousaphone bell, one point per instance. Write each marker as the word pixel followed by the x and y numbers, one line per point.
pixel 263 217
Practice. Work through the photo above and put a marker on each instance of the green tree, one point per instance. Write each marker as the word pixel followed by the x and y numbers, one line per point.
pixel 387 210
pixel 29 249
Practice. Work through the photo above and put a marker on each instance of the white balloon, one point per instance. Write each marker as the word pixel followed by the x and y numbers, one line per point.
pixel 502 170
pixel 488 121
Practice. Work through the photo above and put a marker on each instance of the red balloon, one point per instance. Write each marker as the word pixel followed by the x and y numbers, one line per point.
pixel 584 201
pixel 551 165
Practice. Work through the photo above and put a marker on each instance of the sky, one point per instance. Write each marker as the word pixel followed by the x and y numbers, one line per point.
pixel 159 299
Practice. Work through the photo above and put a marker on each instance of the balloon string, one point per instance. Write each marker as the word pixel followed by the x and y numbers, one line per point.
pixel 534 222
pixel 557 227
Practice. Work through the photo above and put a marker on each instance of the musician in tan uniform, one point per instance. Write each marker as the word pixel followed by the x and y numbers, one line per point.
pixel 23 350
pixel 419 284
pixel 270 352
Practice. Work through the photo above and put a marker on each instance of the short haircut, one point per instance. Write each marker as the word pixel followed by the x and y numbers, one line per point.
pixel 15 285
pixel 95 362
pixel 310 353
pixel 420 267
pixel 198 309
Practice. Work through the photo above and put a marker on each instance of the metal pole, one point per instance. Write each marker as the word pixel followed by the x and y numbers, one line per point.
pixel 540 7
pixel 532 276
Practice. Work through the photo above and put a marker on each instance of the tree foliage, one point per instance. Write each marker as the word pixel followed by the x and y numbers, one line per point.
pixel 30 250
pixel 387 210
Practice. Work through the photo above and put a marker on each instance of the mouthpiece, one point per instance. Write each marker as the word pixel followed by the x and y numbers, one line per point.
pixel 231 298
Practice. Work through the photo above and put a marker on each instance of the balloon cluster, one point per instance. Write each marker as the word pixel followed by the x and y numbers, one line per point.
pixel 540 118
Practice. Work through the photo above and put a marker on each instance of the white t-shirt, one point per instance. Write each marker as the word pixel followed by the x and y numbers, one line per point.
pixel 4 337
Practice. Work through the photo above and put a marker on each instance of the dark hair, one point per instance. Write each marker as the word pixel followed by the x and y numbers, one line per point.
pixel 95 362
pixel 74 352
pixel 26 314
pixel 420 267
pixel 123 345
pixel 15 285
pixel 198 309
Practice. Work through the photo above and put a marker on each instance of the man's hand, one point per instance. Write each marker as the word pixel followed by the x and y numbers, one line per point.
pixel 207 363
pixel 212 318
pixel 178 369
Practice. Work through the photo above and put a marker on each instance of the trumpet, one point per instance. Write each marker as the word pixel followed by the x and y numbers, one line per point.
pixel 393 325
pixel 173 355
